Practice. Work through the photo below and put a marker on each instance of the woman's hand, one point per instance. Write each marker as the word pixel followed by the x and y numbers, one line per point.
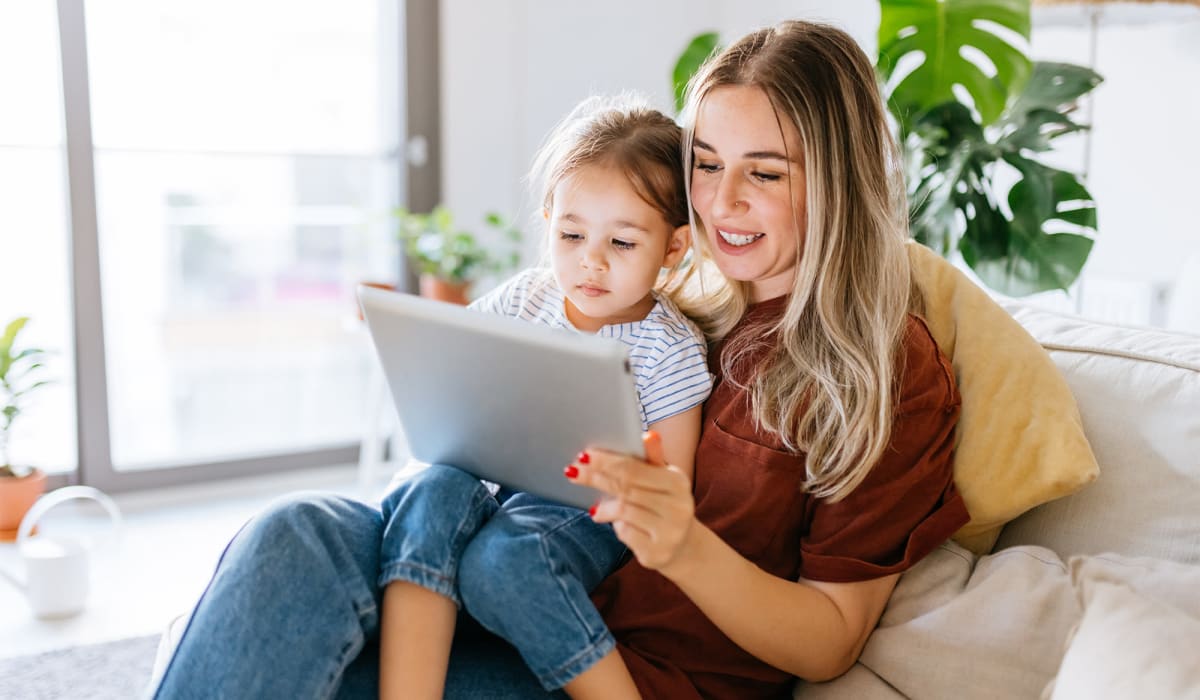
pixel 651 509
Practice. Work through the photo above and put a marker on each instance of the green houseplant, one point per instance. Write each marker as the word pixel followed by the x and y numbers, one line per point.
pixel 20 485
pixel 448 258
pixel 977 184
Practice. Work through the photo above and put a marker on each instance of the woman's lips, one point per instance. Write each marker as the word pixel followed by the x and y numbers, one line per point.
pixel 735 242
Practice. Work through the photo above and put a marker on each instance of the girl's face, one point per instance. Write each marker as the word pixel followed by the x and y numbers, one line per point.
pixel 748 188
pixel 607 246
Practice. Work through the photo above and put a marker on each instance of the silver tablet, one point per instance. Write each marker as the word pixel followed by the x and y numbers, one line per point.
pixel 506 400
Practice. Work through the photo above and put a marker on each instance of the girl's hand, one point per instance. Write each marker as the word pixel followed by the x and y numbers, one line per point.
pixel 651 509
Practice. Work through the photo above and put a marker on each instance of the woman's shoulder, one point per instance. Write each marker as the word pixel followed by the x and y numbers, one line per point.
pixel 925 375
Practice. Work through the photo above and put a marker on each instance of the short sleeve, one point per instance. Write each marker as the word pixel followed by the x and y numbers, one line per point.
pixel 907 505
pixel 677 381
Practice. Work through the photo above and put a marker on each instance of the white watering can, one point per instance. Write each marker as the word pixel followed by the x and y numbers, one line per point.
pixel 56 568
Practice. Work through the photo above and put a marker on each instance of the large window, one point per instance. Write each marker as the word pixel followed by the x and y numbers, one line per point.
pixel 244 171
pixel 35 280
pixel 240 165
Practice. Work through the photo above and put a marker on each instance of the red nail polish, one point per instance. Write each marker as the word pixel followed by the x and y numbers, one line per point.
pixel 592 510
pixel 571 471
pixel 583 458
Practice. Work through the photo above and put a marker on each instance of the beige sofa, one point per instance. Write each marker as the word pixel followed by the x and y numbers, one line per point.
pixel 1096 595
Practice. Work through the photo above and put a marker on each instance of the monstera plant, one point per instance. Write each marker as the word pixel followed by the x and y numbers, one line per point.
pixel 974 116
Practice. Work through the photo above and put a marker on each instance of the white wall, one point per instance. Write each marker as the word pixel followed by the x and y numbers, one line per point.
pixel 1145 144
pixel 512 69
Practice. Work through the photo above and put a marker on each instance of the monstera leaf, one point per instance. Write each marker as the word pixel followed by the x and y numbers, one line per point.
pixel 697 52
pixel 1041 239
pixel 945 36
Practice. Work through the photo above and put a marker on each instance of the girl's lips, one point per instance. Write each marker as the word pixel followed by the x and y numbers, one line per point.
pixel 591 291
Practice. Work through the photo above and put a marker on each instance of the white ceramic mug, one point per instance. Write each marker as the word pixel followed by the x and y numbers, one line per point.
pixel 57 576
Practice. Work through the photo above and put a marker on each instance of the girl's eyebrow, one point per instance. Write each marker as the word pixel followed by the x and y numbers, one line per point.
pixel 752 155
pixel 620 223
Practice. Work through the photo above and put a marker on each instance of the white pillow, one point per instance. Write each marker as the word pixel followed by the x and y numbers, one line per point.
pixel 1130 646
pixel 971 628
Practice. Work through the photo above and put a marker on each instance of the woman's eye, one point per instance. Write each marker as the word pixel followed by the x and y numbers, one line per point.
pixel 568 236
pixel 765 177
pixel 707 167
pixel 624 245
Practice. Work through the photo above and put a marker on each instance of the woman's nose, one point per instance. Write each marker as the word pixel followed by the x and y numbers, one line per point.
pixel 726 198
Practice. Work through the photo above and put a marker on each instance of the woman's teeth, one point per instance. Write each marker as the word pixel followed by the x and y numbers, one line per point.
pixel 739 240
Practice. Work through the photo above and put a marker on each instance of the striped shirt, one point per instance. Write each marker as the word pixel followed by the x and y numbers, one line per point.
pixel 666 350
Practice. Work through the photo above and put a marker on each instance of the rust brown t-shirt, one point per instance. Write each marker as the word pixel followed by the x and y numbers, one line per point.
pixel 747 490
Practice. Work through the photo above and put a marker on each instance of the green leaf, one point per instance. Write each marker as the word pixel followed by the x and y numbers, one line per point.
pixel 937 32
pixel 7 340
pixel 697 52
pixel 1055 86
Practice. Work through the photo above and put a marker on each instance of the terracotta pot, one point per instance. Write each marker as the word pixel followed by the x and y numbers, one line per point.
pixel 17 495
pixel 441 290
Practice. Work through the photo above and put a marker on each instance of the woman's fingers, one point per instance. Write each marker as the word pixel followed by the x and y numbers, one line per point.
pixel 651 508
pixel 618 475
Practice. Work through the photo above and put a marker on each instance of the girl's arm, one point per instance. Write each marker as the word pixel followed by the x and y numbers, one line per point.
pixel 811 629
pixel 680 434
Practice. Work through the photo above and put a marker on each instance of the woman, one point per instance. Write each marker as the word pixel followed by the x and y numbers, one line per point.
pixel 822 472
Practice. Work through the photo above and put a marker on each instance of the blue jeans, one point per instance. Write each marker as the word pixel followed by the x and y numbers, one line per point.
pixel 520 565
pixel 293 608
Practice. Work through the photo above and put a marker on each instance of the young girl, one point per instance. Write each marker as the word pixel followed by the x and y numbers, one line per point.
pixel 614 202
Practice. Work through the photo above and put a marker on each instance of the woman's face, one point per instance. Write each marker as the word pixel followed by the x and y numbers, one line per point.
pixel 748 189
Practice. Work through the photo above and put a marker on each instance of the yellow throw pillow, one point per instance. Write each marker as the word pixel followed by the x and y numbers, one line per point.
pixel 1020 441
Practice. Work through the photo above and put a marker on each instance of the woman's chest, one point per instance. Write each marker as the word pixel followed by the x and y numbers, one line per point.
pixel 747 486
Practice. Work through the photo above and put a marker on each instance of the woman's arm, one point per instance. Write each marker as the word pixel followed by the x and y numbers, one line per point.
pixel 814 630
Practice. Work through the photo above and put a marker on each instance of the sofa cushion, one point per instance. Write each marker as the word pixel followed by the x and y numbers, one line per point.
pixel 1130 644
pixel 1012 452
pixel 958 626
pixel 1139 397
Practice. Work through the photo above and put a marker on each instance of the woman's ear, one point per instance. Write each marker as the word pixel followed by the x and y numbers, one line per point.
pixel 677 245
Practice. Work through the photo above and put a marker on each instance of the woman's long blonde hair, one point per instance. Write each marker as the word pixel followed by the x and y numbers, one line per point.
pixel 828 384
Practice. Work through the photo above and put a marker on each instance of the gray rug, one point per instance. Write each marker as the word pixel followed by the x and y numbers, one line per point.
pixel 116 670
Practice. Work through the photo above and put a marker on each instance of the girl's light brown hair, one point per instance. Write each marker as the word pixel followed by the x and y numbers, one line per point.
pixel 827 387
pixel 624 133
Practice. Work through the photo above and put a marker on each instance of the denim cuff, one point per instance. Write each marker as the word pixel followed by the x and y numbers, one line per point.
pixel 558 677
pixel 425 578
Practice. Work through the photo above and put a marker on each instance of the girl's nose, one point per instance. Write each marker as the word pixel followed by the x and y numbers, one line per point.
pixel 594 260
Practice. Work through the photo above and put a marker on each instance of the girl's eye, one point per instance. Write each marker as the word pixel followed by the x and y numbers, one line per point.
pixel 568 236
pixel 765 177
pixel 623 245
pixel 707 167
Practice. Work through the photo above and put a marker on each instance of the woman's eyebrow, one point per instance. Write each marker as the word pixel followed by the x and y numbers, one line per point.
pixel 752 155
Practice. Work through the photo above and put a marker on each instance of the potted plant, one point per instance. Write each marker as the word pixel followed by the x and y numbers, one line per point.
pixel 449 259
pixel 977 183
pixel 20 485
